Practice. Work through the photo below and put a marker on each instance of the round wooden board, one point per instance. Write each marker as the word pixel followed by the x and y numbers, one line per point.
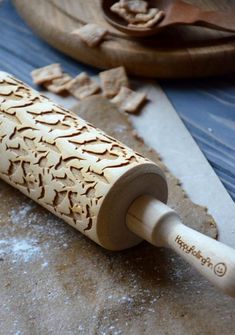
pixel 180 52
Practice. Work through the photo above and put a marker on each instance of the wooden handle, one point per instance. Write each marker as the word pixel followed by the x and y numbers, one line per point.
pixel 223 21
pixel 161 226
pixel 181 13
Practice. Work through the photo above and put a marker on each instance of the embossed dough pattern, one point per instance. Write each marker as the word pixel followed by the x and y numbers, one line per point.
pixel 59 160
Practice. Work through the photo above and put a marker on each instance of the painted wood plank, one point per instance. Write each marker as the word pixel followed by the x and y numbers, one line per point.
pixel 208 111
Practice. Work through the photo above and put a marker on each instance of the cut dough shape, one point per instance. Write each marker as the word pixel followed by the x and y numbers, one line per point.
pixel 128 100
pixel 58 85
pixel 117 9
pixel 82 86
pixel 91 34
pixel 134 6
pixel 46 73
pixel 112 81
pixel 132 18
pixel 149 24
pixel 145 17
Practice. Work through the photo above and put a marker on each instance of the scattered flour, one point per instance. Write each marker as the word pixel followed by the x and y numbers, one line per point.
pixel 19 215
pixel 25 233
pixel 44 265
pixel 20 249
pixel 120 128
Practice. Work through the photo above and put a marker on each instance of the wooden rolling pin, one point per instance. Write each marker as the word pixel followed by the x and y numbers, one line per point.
pixel 95 183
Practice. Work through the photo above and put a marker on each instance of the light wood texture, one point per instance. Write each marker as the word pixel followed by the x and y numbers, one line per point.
pixel 161 226
pixel 182 52
pixel 73 169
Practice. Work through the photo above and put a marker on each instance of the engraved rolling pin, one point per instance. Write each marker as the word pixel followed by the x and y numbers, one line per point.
pixel 108 192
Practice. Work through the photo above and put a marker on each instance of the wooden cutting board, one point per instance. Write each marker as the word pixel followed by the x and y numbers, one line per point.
pixel 179 52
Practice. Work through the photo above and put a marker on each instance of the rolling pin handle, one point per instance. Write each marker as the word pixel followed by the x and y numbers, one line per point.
pixel 161 226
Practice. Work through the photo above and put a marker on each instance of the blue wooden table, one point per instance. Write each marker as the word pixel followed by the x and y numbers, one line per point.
pixel 207 107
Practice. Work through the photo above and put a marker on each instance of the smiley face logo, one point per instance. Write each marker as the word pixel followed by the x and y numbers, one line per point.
pixel 220 269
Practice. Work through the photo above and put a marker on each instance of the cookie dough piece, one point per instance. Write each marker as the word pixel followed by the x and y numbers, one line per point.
pixel 142 18
pixel 91 34
pixel 112 81
pixel 149 24
pixel 134 6
pixel 128 100
pixel 58 85
pixel 82 86
pixel 133 18
pixel 121 11
pixel 46 73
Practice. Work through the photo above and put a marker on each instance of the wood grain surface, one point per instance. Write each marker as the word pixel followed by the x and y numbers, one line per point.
pixel 179 52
